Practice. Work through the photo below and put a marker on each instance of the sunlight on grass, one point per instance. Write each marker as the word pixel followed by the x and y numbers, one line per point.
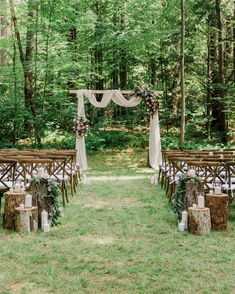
pixel 118 236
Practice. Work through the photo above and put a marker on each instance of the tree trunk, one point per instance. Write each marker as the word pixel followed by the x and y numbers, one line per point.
pixel 115 77
pixel 193 189
pixel 199 221
pixel 219 209
pixel 12 200
pixel 234 44
pixel 27 58
pixel 209 78
pixel 26 219
pixel 4 31
pixel 153 72
pixel 123 58
pixel 182 77
pixel 218 87
pixel 98 51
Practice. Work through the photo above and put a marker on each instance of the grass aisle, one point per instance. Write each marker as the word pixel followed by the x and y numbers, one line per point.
pixel 118 236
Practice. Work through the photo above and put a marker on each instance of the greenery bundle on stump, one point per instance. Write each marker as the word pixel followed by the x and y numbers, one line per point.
pixel 45 193
pixel 178 201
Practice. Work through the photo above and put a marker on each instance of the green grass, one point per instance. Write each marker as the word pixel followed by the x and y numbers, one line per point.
pixel 118 235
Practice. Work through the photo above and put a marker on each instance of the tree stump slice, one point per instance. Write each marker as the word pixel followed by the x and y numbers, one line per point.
pixel 12 200
pixel 219 209
pixel 199 220
pixel 26 219
pixel 193 189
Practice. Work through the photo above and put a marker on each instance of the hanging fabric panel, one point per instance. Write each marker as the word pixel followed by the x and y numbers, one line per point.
pixel 155 157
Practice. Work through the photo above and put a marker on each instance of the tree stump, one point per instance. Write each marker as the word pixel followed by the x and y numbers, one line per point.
pixel 193 189
pixel 40 197
pixel 199 220
pixel 26 219
pixel 12 200
pixel 219 209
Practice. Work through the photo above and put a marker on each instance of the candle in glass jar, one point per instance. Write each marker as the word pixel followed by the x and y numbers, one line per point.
pixel 185 219
pixel 218 190
pixel 181 227
pixel 155 180
pixel 201 201
pixel 44 218
pixel 28 201
pixel 40 171
pixel 46 228
pixel 18 187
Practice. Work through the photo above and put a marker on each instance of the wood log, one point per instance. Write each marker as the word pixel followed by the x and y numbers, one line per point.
pixel 12 200
pixel 26 219
pixel 219 209
pixel 199 220
pixel 193 189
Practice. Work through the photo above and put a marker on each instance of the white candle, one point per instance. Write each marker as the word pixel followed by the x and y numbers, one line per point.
pixel 191 173
pixel 152 180
pixel 28 201
pixel 45 176
pixel 35 174
pixel 218 190
pixel 46 228
pixel 211 192
pixel 22 187
pixel 155 180
pixel 185 219
pixel 201 201
pixel 181 227
pixel 44 218
pixel 18 187
pixel 40 171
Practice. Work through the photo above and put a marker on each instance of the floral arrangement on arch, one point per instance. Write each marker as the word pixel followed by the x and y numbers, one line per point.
pixel 80 125
pixel 149 97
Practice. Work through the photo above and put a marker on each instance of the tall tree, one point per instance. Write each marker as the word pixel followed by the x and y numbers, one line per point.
pixel 4 31
pixel 26 58
pixel 182 73
pixel 218 109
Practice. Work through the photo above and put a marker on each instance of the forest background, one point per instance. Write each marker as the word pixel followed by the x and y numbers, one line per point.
pixel 50 47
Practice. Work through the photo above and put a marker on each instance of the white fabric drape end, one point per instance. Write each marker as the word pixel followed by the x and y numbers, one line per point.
pixel 155 154
pixel 81 159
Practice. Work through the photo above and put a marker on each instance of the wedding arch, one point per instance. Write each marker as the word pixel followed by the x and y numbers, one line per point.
pixel 117 97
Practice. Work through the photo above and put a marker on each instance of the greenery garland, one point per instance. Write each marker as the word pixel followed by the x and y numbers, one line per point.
pixel 149 97
pixel 51 199
pixel 178 197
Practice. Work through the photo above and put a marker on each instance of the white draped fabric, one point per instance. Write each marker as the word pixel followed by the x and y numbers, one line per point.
pixel 116 96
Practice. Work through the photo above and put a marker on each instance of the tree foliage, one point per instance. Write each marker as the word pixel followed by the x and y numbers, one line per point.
pixel 48 47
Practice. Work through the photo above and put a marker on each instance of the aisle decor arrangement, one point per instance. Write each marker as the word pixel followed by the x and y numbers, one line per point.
pixel 32 207
pixel 199 212
pixel 49 198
